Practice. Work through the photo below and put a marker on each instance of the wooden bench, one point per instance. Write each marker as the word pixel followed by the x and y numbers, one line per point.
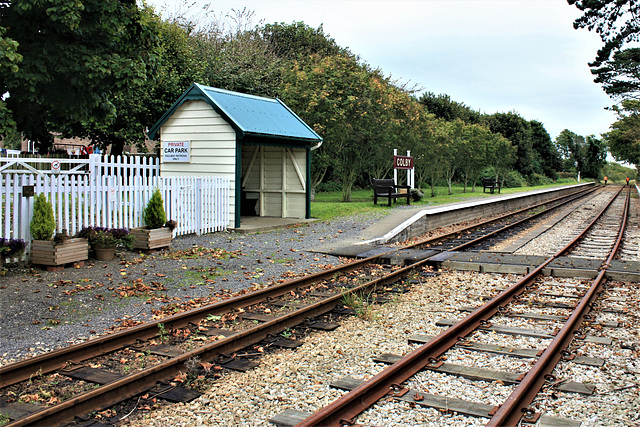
pixel 387 188
pixel 491 184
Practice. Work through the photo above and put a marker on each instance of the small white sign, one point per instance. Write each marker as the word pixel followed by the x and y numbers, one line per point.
pixel 55 166
pixel 176 151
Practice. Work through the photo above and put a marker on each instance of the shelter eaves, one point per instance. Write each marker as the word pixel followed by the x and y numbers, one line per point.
pixel 249 115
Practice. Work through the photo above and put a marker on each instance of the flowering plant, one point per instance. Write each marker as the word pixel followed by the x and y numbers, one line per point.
pixel 10 248
pixel 101 237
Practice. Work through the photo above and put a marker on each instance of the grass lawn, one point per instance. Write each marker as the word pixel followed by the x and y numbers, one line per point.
pixel 329 205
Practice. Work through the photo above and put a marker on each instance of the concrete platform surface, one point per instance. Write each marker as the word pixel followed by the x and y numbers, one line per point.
pixel 256 224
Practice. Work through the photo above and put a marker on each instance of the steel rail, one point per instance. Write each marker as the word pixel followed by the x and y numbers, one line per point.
pixel 127 387
pixel 57 359
pixel 569 198
pixel 343 410
pixel 516 406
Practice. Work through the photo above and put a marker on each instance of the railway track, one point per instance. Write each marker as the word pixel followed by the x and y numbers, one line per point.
pixel 512 304
pixel 259 316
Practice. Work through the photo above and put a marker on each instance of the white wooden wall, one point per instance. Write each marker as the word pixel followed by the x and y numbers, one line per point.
pixel 212 143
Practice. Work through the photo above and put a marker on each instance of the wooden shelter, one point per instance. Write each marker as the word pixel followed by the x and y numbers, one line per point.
pixel 259 143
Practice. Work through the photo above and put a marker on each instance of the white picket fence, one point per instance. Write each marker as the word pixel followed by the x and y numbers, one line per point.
pixel 108 193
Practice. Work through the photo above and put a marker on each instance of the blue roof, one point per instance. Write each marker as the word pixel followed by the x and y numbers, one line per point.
pixel 249 115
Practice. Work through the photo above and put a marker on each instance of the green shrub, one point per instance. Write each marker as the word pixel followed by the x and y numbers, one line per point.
pixel 154 215
pixel 514 180
pixel 537 179
pixel 42 224
pixel 328 186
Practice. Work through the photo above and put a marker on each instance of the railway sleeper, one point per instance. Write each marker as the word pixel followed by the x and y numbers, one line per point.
pixel 506 351
pixel 291 417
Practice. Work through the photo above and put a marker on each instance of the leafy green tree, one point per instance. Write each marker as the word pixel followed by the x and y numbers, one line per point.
pixel 443 107
pixel 617 24
pixel 595 157
pixel 572 149
pixel 345 103
pixel 143 104
pixel 474 157
pixel 501 156
pixel 9 60
pixel 623 139
pixel 546 158
pixel 298 42
pixel 517 130
pixel 77 56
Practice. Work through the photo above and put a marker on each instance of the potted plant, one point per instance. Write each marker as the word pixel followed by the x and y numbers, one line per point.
pixel 158 232
pixel 53 253
pixel 105 241
pixel 11 248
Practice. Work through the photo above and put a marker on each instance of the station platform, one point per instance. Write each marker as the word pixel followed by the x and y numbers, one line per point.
pixel 405 222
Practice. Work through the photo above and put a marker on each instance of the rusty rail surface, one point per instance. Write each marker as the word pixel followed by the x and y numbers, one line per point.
pixel 57 359
pixel 516 405
pixel 343 410
pixel 137 383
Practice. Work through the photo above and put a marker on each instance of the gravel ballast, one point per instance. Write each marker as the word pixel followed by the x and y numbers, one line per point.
pixel 90 300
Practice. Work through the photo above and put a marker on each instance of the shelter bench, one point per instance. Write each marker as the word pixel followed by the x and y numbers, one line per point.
pixel 387 188
pixel 491 184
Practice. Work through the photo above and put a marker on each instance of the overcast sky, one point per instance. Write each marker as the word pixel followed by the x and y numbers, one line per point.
pixel 492 55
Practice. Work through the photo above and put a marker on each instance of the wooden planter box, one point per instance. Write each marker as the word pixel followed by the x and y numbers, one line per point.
pixel 151 238
pixel 45 252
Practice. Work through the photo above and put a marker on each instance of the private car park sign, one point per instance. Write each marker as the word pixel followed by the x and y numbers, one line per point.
pixel 176 151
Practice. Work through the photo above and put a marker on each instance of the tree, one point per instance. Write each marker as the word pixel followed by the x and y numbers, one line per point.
pixel 76 58
pixel 518 131
pixel 443 107
pixel 474 158
pixel 546 158
pixel 623 139
pixel 501 155
pixel 297 41
pixel 595 157
pixel 617 22
pixel 9 60
pixel 572 149
pixel 143 104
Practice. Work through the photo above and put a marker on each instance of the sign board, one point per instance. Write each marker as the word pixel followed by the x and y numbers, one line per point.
pixel 402 162
pixel 28 190
pixel 176 151
pixel 55 166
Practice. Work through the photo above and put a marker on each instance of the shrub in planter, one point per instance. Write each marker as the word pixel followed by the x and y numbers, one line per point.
pixel 159 232
pixel 154 215
pixel 59 251
pixel 104 241
pixel 101 237
pixel 42 223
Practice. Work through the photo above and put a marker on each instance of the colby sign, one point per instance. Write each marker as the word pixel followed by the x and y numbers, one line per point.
pixel 402 162
pixel 176 151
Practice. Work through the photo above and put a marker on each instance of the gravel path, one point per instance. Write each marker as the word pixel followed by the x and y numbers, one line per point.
pixel 41 311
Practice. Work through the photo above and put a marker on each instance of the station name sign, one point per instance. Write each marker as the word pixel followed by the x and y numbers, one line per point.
pixel 402 162
pixel 176 151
